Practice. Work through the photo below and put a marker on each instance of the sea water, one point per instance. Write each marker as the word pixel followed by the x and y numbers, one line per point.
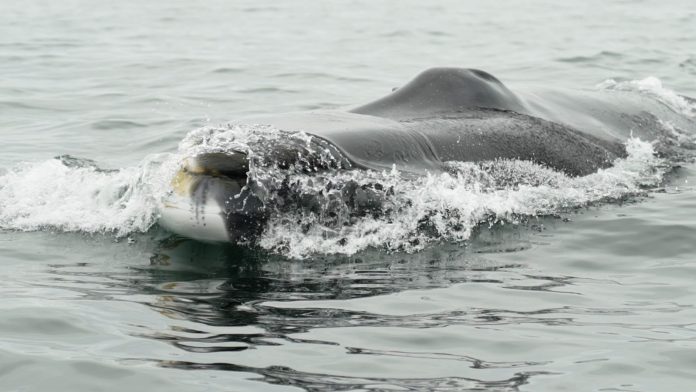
pixel 557 284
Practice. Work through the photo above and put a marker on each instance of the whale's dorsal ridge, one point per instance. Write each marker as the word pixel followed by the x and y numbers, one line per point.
pixel 442 90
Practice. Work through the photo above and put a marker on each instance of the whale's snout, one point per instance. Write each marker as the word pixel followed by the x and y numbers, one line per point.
pixel 214 200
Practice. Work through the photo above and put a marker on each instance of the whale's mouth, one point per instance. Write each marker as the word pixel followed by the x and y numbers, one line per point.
pixel 234 165
pixel 213 199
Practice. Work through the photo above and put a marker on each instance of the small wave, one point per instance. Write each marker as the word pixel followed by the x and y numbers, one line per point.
pixel 228 70
pixel 604 55
pixel 106 125
pixel 270 89
pixel 652 86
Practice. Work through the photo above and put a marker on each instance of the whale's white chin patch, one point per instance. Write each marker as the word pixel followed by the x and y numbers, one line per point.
pixel 203 222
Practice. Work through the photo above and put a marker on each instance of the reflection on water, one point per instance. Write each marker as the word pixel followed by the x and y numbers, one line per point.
pixel 225 300
pixel 325 382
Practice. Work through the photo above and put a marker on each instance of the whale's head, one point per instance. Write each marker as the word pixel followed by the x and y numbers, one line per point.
pixel 213 200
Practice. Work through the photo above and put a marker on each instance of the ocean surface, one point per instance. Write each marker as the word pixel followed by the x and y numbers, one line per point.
pixel 587 287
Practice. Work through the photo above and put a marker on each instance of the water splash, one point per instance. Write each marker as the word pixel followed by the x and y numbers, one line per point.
pixel 350 211
pixel 71 194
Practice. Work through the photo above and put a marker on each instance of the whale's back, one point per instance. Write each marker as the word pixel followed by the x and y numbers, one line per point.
pixel 443 90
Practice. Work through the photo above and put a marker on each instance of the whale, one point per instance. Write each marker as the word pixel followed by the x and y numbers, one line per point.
pixel 440 116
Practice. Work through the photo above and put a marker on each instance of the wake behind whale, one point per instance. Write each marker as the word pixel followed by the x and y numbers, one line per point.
pixel 339 183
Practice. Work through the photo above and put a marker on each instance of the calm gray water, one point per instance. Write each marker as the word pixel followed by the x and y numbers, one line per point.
pixel 94 296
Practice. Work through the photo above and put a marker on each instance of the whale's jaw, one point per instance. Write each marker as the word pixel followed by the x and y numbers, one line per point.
pixel 213 201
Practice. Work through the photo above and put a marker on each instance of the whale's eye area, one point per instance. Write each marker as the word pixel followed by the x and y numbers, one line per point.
pixel 234 165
